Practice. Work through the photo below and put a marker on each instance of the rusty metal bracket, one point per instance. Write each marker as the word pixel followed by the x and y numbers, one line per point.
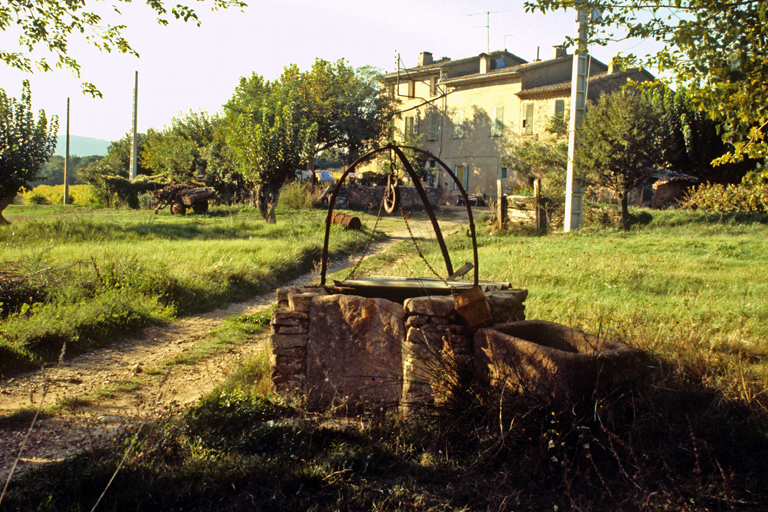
pixel 422 195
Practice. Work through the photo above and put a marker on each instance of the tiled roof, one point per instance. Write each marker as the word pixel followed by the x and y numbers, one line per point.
pixel 565 86
pixel 445 61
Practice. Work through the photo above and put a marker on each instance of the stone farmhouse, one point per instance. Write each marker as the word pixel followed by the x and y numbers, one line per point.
pixel 469 112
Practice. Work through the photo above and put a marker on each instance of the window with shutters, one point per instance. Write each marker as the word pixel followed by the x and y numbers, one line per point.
pixel 411 89
pixel 527 118
pixel 458 124
pixel 560 108
pixel 434 120
pixel 497 121
pixel 408 129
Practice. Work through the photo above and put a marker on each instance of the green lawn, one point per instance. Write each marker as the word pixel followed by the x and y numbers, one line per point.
pixel 687 287
pixel 89 276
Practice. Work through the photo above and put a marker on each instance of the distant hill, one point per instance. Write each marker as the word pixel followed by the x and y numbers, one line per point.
pixel 82 146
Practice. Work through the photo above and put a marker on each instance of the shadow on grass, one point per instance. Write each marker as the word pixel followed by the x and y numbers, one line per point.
pixel 670 444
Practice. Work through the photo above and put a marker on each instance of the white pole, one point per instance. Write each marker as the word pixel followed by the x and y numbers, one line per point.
pixel 66 160
pixel 574 188
pixel 134 139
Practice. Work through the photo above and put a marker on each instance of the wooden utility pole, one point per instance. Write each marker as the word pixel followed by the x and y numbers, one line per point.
pixel 66 161
pixel 134 139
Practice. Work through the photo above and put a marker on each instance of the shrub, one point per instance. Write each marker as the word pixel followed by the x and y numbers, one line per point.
pixel 729 198
pixel 298 196
pixel 35 198
pixel 54 194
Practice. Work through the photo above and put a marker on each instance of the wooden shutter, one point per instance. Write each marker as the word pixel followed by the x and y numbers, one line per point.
pixel 434 119
pixel 528 119
pixel 497 121
pixel 560 107
pixel 458 124
pixel 408 131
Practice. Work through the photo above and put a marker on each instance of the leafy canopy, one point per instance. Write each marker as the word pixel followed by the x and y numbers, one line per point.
pixel 716 49
pixel 51 24
pixel 347 104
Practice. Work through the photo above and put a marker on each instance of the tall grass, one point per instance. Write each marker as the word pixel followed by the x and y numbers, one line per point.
pixel 103 273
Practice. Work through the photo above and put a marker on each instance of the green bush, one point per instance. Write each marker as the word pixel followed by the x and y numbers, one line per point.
pixel 35 198
pixel 298 196
pixel 54 194
pixel 729 198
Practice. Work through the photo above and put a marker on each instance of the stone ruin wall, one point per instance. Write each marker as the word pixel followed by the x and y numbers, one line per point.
pixel 344 348
pixel 364 197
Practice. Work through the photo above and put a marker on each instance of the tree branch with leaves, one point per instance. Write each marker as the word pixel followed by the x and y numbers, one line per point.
pixel 52 24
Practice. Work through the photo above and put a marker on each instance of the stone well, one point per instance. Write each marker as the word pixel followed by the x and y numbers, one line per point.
pixel 339 349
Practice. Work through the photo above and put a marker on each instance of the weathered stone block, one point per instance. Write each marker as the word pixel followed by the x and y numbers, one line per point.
pixel 354 350
pixel 290 368
pixel 288 340
pixel 282 293
pixel 300 301
pixel 457 329
pixel 298 352
pixel 416 320
pixel 434 305
pixel 506 306
pixel 289 318
pixel 285 329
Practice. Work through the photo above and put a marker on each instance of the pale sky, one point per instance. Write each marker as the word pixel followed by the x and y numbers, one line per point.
pixel 183 67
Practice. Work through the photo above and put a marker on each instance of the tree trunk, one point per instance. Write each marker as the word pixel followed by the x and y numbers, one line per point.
pixel 624 209
pixel 4 202
pixel 266 203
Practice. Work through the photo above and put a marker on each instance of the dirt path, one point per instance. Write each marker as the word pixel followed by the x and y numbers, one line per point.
pixel 137 394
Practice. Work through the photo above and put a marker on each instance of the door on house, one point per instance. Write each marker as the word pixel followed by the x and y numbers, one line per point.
pixel 462 173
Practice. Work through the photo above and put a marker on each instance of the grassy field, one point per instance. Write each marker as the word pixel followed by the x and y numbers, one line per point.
pixel 687 287
pixel 87 277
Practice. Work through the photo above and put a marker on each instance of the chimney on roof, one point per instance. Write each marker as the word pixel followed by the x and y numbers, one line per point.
pixel 425 58
pixel 613 66
pixel 485 63
pixel 558 51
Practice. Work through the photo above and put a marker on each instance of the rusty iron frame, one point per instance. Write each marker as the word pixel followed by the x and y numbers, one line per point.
pixel 422 195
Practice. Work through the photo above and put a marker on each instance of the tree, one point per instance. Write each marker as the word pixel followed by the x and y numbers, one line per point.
pixel 348 106
pixel 177 151
pixel 716 49
pixel 618 143
pixel 268 148
pixel 52 23
pixel 25 145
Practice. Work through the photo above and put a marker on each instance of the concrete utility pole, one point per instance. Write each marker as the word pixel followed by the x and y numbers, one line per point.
pixel 134 139
pixel 574 192
pixel 66 160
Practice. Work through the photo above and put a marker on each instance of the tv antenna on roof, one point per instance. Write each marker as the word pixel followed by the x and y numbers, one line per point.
pixel 488 24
